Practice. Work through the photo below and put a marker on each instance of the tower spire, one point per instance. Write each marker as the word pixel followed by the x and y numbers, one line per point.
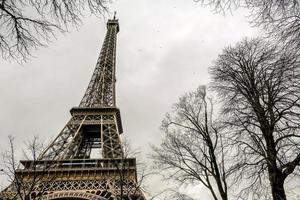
pixel 76 140
pixel 101 89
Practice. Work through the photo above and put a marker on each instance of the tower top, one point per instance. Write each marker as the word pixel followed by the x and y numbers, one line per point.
pixel 113 22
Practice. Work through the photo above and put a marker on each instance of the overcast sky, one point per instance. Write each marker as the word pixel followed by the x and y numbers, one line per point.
pixel 164 49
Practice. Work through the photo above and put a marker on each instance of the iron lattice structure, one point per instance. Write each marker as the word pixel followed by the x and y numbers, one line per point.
pixel 66 169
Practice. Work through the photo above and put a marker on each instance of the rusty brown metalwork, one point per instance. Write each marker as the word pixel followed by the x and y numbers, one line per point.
pixel 65 169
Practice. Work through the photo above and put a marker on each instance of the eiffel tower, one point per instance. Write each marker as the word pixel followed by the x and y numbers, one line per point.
pixel 66 169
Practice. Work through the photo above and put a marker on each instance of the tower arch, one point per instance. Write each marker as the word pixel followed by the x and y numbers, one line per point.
pixel 74 195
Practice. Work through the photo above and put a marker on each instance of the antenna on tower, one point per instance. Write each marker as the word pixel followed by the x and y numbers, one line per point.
pixel 115 13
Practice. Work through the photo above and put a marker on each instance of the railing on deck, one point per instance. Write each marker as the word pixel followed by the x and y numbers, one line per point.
pixel 78 164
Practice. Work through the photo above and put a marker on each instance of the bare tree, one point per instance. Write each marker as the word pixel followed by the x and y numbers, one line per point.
pixel 21 186
pixel 127 170
pixel 29 24
pixel 259 85
pixel 171 193
pixel 192 150
pixel 279 18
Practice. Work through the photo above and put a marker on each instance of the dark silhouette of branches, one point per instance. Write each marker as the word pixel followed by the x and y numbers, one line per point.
pixel 21 186
pixel 192 150
pixel 170 193
pixel 279 18
pixel 259 85
pixel 127 170
pixel 30 24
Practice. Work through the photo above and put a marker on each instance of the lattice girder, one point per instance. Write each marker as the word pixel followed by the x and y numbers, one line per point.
pixel 100 177
pixel 101 89
pixel 67 144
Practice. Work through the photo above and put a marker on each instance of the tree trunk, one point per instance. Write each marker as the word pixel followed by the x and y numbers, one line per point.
pixel 276 176
pixel 218 177
pixel 277 187
pixel 278 192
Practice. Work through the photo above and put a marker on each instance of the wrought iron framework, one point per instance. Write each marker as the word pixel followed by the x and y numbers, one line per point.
pixel 65 168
